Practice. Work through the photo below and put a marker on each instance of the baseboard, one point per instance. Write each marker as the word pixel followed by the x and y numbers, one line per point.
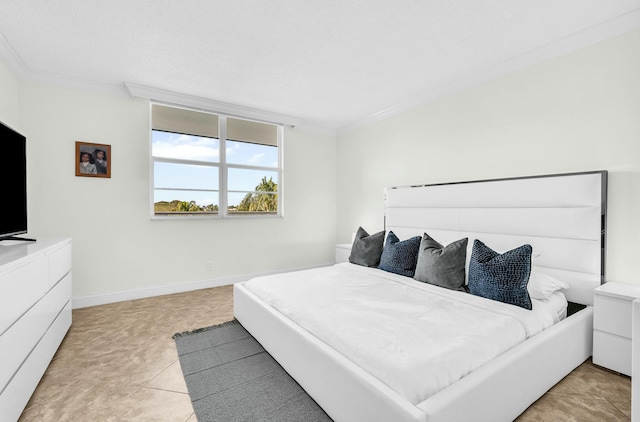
pixel 103 299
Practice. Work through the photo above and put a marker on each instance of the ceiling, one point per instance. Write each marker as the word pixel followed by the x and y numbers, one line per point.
pixel 330 64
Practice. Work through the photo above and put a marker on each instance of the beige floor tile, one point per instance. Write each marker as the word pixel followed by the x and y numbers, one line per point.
pixel 599 382
pixel 572 407
pixel 148 404
pixel 82 401
pixel 171 379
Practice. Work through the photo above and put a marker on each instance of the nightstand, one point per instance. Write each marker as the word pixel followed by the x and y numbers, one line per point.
pixel 343 251
pixel 613 303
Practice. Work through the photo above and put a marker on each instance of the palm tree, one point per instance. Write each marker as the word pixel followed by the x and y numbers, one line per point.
pixel 188 206
pixel 264 199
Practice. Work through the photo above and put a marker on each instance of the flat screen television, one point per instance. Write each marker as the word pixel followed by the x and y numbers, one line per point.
pixel 13 176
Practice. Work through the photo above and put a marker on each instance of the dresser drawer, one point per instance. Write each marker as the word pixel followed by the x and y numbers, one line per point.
pixel 611 351
pixel 59 263
pixel 26 284
pixel 612 315
pixel 20 339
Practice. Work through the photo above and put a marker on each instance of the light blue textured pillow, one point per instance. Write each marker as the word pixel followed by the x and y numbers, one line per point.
pixel 501 277
pixel 400 257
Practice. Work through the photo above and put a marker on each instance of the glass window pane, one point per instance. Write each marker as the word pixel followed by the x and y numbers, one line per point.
pixel 185 176
pixel 177 201
pixel 250 154
pixel 184 147
pixel 252 180
pixel 186 160
pixel 252 203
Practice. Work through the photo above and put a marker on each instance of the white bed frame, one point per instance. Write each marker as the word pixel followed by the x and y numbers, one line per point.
pixel 562 216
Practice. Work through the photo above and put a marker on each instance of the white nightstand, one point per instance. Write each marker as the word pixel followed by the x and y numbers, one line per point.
pixel 343 251
pixel 613 303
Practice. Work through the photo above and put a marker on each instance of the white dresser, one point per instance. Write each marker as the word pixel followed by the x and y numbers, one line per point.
pixel 35 315
pixel 612 325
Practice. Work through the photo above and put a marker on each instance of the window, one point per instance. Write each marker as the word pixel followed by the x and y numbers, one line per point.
pixel 207 164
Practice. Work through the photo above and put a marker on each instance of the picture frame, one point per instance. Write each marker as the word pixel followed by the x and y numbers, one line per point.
pixel 88 161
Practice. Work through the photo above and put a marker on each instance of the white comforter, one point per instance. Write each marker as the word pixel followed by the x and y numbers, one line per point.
pixel 414 337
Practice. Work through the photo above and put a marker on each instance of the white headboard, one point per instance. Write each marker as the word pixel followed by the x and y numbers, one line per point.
pixel 563 217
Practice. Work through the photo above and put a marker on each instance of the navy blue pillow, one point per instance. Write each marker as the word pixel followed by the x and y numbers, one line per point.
pixel 400 257
pixel 503 277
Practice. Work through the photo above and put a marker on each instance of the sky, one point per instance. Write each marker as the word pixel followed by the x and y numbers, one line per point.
pixel 204 175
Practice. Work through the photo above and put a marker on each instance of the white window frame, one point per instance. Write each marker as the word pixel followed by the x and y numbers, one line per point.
pixel 223 167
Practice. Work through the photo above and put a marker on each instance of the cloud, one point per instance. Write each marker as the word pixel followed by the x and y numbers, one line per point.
pixel 185 147
pixel 247 155
pixel 256 158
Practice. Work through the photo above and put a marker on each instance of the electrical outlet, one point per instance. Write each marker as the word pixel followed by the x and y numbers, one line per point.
pixel 209 265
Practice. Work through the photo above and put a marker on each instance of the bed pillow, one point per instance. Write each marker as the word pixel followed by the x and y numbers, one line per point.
pixel 541 286
pixel 501 277
pixel 366 249
pixel 400 257
pixel 442 266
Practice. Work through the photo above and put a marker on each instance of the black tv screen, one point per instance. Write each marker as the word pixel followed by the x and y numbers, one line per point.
pixel 13 173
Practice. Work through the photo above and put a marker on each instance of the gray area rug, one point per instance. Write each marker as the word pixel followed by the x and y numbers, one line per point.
pixel 230 378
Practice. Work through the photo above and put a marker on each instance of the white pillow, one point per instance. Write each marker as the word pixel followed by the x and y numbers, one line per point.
pixel 541 286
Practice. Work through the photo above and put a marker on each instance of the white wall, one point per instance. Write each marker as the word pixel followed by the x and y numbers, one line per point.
pixel 9 98
pixel 578 112
pixel 116 246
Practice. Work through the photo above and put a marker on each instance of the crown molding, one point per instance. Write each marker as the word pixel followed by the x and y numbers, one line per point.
pixel 175 98
pixel 11 58
pixel 590 36
pixel 23 72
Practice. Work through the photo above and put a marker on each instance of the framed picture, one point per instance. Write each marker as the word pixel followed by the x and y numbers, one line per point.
pixel 93 160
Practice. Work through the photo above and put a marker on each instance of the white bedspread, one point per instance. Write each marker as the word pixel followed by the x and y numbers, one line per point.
pixel 414 337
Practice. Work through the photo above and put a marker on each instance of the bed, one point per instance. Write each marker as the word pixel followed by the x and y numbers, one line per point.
pixel 355 377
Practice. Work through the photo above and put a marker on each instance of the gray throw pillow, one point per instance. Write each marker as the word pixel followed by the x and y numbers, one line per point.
pixel 442 265
pixel 366 250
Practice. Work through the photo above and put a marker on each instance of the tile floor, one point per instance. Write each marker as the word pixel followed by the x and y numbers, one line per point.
pixel 118 363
